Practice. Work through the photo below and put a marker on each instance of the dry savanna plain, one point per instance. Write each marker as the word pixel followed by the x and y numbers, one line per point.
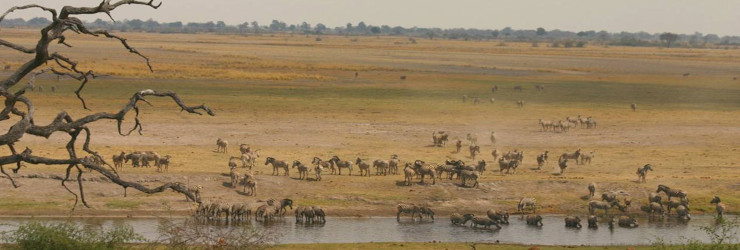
pixel 293 98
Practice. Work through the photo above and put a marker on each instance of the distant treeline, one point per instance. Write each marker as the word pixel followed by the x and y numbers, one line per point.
pixel 535 36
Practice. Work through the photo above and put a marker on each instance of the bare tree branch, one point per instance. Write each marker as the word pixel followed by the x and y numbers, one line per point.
pixel 63 122
pixel 16 47
pixel 30 6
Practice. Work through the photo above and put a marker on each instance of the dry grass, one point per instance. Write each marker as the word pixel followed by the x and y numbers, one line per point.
pixel 295 98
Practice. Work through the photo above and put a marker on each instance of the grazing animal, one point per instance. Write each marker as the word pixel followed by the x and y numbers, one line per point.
pixel 451 170
pixel 426 211
pixel 520 103
pixel 363 166
pixel 458 146
pixel 593 205
pixel 195 190
pixel 573 221
pixel 234 175
pixel 642 172
pixel 277 165
pixel 654 197
pixel 403 77
pixel 674 204
pixel 593 221
pixel 493 137
pixel 546 125
pixel 494 88
pixel 299 214
pixel 626 221
pixel 408 209
pixel 244 148
pixel 53 88
pixel 440 138
pixel 222 145
pixel 587 157
pixel 481 167
pixel 464 98
pixel 591 189
pixel 573 156
pixel 240 212
pixel 499 217
pixel 323 164
pixel 393 164
pixel 163 163
pixel 319 213
pixel 118 160
pixel 458 219
pixel 425 169
pixel 719 206
pixel 135 159
pixel 633 107
pixel 302 169
pixel 653 208
pixel 340 164
pixel 562 163
pixel 467 174
pixel 381 167
pixel 251 184
pixel 542 159
pixel 484 221
pixel 527 202
pixel 232 162
pixel 672 192
pixel 473 151
pixel 534 220
pixel 495 154
pixel 683 212
pixel 409 173
pixel 609 196
pixel 492 100
pixel 318 169
pixel 476 100
pixel 507 165
pixel 518 88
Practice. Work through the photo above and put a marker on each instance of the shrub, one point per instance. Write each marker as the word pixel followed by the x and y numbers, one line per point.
pixel 68 235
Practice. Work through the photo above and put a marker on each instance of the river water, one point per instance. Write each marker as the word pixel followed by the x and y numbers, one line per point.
pixel 349 230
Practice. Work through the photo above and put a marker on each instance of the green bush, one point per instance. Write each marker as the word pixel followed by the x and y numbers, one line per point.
pixel 68 235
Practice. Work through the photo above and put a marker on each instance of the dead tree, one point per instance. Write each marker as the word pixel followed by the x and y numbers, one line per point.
pixel 21 109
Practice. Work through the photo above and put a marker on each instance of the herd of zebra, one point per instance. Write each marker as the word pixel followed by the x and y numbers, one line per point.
pixel 655 207
pixel 569 122
pixel 265 212
pixel 142 159
pixel 494 89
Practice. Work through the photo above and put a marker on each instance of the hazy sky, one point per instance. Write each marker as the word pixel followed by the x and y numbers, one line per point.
pixel 680 16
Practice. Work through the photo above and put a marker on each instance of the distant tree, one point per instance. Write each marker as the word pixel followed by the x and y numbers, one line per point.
pixel 362 27
pixel 220 25
pixel 256 26
pixel 38 21
pixel 320 28
pixel 135 24
pixel 243 27
pixel 176 25
pixel 305 26
pixel 668 38
pixel 506 31
pixel 349 28
pixel 541 31
pixel 495 33
pixel 375 30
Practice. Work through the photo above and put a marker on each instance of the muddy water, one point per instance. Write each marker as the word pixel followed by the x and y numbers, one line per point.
pixel 347 230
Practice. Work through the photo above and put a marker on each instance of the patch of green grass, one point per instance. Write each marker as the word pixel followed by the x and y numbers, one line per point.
pixel 123 204
pixel 26 205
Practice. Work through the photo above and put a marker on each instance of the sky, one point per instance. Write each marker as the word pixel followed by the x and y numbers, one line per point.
pixel 719 17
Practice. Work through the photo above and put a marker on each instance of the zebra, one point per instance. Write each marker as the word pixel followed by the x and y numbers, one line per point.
pixel 408 209
pixel 591 189
pixel 484 221
pixel 277 165
pixel 341 164
pixel 302 169
pixel 534 220
pixel 642 172
pixel 720 207
pixel 573 156
pixel 467 174
pixel 424 169
pixel 673 192
pixel 573 221
pixel 527 202
pixel 542 159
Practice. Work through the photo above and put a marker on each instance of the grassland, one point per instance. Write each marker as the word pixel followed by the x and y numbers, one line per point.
pixel 295 98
